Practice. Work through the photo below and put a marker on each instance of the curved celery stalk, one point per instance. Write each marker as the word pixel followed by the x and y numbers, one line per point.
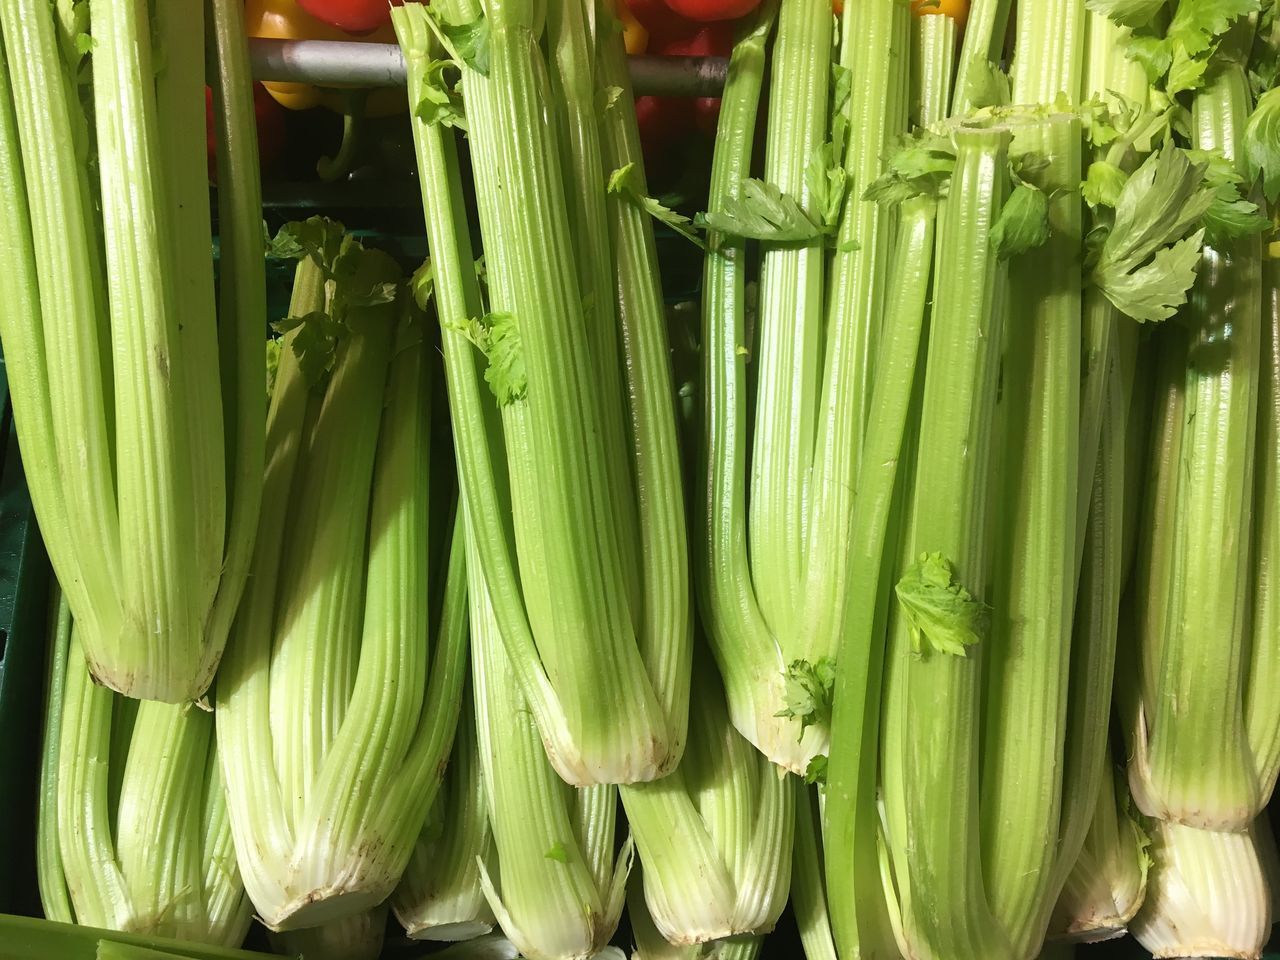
pixel 650 945
pixel 132 816
pixel 715 834
pixel 808 883
pixel 54 896
pixel 1206 894
pixel 853 874
pixel 439 896
pixel 566 615
pixel 1192 761
pixel 930 758
pixel 358 936
pixel 556 889
pixel 1109 880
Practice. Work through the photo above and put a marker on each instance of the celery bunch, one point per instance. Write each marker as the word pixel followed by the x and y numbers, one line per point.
pixel 338 697
pixel 137 390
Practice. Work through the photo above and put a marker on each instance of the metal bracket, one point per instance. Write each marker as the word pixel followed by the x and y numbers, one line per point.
pixel 339 62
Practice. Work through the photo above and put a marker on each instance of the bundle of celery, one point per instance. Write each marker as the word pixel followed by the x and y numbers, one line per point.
pixel 138 396
pixel 567 457
pixel 133 832
pixel 339 693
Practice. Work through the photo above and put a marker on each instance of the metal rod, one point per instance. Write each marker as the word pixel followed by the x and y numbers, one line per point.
pixel 336 62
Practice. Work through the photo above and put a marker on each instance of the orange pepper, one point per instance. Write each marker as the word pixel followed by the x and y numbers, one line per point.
pixel 634 36
pixel 285 20
pixel 957 10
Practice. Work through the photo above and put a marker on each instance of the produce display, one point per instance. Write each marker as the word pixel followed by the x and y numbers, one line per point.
pixel 905 592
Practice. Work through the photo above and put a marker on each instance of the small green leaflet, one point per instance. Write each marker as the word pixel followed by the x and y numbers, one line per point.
pixel 607 98
pixel 841 91
pixel 466 43
pixel 497 336
pixel 1145 266
pixel 827 182
pixel 558 852
pixel 1197 24
pixel 1184 50
pixel 273 364
pixel 1127 13
pixel 1262 144
pixel 423 284
pixel 317 237
pixel 986 85
pixel 1231 217
pixel 438 101
pixel 816 771
pixel 626 182
pixel 761 211
pixel 1103 183
pixel 364 277
pixel 315 343
pixel 808 690
pixel 1023 223
pixel 921 167
pixel 942 616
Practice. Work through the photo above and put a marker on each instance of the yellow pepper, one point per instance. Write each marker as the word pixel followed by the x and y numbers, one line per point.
pixel 634 36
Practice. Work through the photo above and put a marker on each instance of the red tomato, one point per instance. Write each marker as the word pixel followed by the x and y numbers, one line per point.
pixel 662 121
pixel 706 40
pixel 711 11
pixel 351 16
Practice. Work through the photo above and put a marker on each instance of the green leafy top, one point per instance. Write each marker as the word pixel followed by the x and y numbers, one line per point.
pixel 317 237
pixel 627 182
pixel 921 166
pixel 761 211
pixel 1023 223
pixel 438 100
pixel 809 687
pixel 1262 144
pixel 466 43
pixel 816 771
pixel 497 336
pixel 941 614
pixel 1145 260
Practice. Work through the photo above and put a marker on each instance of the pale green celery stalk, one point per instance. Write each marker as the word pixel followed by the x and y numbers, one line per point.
pixel 164 594
pixel 650 945
pixel 357 936
pixel 124 825
pixel 1109 880
pixel 55 335
pixel 242 307
pixel 439 897
pixel 853 873
pixel 984 33
pixel 1207 894
pixel 178 32
pixel 745 649
pixel 933 59
pixel 545 888
pixel 54 896
pixel 1193 761
pixel 566 620
pixel 573 69
pixel 1028 656
pixel 1261 716
pixel 666 622
pixel 930 782
pixel 788 359
pixel 715 834
pixel 808 882
pixel 28 938
pixel 857 296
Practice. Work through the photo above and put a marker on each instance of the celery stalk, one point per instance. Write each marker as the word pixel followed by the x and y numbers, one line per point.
pixel 933 56
pixel 28 938
pixel 808 886
pixel 358 936
pixel 930 759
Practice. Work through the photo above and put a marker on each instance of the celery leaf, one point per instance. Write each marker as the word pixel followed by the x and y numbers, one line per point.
pixel 438 100
pixel 316 237
pixel 1135 267
pixel 986 85
pixel 1023 223
pixel 1231 217
pixel 1262 144
pixel 423 284
pixel 941 614
pixel 816 771
pixel 828 183
pixel 273 363
pixel 761 211
pixel 1103 183
pixel 1197 24
pixel 558 852
pixel 626 182
pixel 497 336
pixel 1127 13
pixel 921 167
pixel 315 342
pixel 807 692
pixel 470 42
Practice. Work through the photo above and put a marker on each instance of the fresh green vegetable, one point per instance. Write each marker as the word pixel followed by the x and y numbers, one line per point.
pixel 138 399
pixel 589 573
pixel 132 830
pixel 439 896
pixel 28 938
pixel 335 667
pixel 650 945
pixel 357 936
